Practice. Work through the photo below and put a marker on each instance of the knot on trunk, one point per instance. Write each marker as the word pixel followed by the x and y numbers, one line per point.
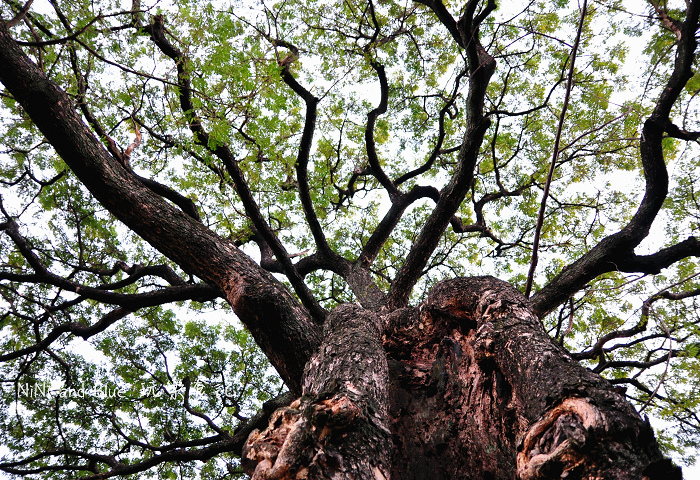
pixel 475 299
pixel 302 441
pixel 554 446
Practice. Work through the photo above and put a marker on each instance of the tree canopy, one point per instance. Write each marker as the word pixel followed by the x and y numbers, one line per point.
pixel 329 152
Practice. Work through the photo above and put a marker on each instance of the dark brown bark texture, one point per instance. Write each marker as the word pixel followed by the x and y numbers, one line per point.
pixel 476 390
pixel 339 427
pixel 477 384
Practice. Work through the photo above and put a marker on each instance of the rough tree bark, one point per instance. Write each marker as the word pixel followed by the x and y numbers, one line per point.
pixel 339 427
pixel 467 385
pixel 475 389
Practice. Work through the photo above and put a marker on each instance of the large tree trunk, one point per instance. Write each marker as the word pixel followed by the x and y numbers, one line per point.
pixel 339 427
pixel 476 390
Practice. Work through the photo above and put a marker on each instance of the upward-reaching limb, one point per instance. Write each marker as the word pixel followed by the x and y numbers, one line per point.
pixel 282 327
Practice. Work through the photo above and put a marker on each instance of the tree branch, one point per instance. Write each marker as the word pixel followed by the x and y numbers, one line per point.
pixel 178 292
pixel 185 204
pixel 280 326
pixel 676 132
pixel 481 67
pixel 664 258
pixel 445 18
pixel 555 153
pixel 176 452
pixel 437 149
pixel 605 256
pixel 157 32
pixel 77 329
pixel 20 15
pixel 304 152
pixel 370 144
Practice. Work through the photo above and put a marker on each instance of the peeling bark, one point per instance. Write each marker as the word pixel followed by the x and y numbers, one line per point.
pixel 478 390
pixel 338 429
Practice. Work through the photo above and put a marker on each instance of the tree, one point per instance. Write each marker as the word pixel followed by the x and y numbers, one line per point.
pixel 338 175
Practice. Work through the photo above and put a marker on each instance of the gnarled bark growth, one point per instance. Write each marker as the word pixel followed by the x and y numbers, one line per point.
pixel 476 389
pixel 467 385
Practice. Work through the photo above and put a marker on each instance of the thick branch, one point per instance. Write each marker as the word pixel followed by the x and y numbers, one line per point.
pixel 279 324
pixel 370 144
pixel 676 132
pixel 445 18
pixel 664 258
pixel 302 163
pixel 481 68
pixel 20 15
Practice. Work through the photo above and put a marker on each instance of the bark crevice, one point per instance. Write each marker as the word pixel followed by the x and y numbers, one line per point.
pixel 479 390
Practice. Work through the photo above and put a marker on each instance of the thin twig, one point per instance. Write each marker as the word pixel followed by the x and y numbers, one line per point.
pixel 555 154
pixel 668 362
pixel 570 326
